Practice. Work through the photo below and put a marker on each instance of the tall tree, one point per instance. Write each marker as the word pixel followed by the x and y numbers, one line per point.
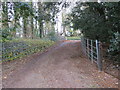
pixel 40 18
pixel 25 11
pixel 5 14
pixel 32 25
pixel 94 19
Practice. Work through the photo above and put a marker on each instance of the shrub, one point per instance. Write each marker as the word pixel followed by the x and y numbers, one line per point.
pixel 114 48
pixel 7 34
pixel 55 37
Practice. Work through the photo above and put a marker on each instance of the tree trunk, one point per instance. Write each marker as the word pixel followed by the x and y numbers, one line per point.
pixel 36 30
pixel 32 27
pixel 32 31
pixel 1 15
pixel 5 13
pixel 24 28
pixel 40 29
pixel 40 12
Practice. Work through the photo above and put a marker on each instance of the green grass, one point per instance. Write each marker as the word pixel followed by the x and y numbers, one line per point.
pixel 19 48
pixel 73 38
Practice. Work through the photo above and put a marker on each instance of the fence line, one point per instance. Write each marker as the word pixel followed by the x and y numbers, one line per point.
pixel 92 50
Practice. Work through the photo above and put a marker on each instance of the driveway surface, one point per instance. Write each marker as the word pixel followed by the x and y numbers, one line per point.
pixel 62 66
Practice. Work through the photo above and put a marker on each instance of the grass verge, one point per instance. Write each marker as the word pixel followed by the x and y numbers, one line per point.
pixel 19 48
pixel 73 38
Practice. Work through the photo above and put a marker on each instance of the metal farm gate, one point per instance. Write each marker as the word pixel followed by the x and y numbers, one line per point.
pixel 92 50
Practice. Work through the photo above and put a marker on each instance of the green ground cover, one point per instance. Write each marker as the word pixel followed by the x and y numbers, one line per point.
pixel 73 38
pixel 19 48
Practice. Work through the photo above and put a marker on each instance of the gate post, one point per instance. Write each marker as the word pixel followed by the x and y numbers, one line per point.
pixel 88 48
pixel 83 42
pixel 99 61
pixel 92 51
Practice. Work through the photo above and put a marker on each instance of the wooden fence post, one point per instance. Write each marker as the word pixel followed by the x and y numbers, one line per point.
pixel 99 62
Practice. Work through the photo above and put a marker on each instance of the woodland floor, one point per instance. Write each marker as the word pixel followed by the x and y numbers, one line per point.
pixel 61 66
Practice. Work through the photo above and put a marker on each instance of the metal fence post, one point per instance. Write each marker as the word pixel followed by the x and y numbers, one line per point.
pixel 100 59
pixel 84 40
pixel 99 63
pixel 92 51
pixel 87 48
pixel 83 45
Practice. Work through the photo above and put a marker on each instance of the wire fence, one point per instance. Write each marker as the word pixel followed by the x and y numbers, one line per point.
pixel 92 50
pixel 13 50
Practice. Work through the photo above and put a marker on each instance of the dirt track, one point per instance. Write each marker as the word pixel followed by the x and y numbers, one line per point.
pixel 63 66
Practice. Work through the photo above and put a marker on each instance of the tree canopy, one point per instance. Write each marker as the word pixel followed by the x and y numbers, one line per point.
pixel 99 20
pixel 33 15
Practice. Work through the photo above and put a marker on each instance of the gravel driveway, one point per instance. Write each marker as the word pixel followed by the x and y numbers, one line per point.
pixel 63 66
